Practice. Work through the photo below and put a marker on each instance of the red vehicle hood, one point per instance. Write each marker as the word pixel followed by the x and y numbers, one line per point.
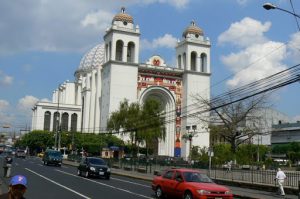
pixel 208 186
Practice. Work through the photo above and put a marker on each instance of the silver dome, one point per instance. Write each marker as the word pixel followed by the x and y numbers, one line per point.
pixel 94 58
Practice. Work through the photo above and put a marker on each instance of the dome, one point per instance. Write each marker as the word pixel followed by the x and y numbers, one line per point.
pixel 92 59
pixel 192 29
pixel 122 16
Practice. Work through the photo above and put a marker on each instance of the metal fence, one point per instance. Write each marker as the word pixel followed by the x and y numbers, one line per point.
pixel 153 166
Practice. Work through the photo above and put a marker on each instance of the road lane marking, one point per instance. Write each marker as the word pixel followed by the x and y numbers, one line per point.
pixel 58 184
pixel 135 183
pixel 110 186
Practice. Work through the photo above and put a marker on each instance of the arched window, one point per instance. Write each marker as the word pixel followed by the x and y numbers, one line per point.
pixel 109 49
pixel 119 50
pixel 193 61
pixel 64 122
pixel 47 120
pixel 74 122
pixel 179 61
pixel 56 118
pixel 130 52
pixel 184 60
pixel 204 63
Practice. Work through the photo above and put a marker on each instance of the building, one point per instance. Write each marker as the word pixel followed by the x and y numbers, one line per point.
pixel 111 72
pixel 284 133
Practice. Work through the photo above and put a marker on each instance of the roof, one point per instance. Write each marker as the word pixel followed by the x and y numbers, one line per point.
pixel 193 29
pixel 122 16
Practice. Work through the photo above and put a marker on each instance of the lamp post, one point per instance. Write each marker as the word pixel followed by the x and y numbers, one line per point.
pixel 57 135
pixel 189 136
pixel 270 6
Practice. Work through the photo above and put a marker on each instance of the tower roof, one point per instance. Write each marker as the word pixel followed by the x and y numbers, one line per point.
pixel 193 29
pixel 122 16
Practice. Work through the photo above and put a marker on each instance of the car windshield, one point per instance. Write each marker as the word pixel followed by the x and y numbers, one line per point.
pixel 55 153
pixel 96 161
pixel 196 177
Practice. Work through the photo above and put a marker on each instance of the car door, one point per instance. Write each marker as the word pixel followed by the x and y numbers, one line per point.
pixel 168 182
pixel 178 185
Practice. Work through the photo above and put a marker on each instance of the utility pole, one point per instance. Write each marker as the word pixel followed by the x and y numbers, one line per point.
pixel 57 134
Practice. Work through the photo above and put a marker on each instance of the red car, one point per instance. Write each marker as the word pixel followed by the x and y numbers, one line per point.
pixel 188 184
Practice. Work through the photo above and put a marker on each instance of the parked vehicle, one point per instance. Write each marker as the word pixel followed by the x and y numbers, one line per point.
pixel 20 153
pixel 52 157
pixel 188 184
pixel 93 166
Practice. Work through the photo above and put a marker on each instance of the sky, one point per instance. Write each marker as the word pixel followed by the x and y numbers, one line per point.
pixel 43 41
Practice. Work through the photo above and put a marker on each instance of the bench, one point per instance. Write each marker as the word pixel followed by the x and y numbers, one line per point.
pixel 127 168
pixel 142 170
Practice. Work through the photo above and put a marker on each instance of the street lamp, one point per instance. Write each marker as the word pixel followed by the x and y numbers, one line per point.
pixel 270 6
pixel 189 136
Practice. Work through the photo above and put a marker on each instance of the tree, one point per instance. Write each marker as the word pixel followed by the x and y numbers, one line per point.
pixel 235 121
pixel 143 123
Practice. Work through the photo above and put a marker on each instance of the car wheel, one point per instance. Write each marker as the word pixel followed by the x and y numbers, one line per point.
pixel 78 172
pixel 158 192
pixel 87 174
pixel 107 177
pixel 188 195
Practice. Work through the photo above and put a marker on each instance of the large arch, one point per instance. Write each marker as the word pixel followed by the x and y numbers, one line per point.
pixel 65 122
pixel 167 100
pixel 119 50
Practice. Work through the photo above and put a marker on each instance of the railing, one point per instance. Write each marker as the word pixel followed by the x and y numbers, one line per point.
pixel 251 176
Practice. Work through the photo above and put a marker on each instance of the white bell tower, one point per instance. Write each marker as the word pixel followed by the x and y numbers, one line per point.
pixel 120 70
pixel 193 56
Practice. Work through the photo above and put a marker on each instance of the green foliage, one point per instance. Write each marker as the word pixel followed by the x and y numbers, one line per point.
pixel 92 143
pixel 143 123
pixel 291 149
pixel 222 153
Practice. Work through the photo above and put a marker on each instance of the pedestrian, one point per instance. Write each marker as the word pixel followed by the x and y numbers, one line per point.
pixel 280 176
pixel 17 188
pixel 7 163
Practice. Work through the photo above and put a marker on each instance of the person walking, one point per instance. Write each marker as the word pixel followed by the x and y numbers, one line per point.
pixel 280 177
pixel 17 188
pixel 7 163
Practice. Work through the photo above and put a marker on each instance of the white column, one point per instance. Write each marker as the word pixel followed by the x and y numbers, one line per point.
pixel 124 55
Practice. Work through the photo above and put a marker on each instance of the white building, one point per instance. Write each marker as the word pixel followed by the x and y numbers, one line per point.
pixel 111 72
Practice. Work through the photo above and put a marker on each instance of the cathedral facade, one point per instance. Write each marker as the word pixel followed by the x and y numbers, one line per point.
pixel 111 72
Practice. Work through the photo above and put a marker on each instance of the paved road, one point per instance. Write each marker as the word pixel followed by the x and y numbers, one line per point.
pixel 50 182
pixel 62 182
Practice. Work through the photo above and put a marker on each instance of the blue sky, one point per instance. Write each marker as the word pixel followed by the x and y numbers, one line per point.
pixel 43 41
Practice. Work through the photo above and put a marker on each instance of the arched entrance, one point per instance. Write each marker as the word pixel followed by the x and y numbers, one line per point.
pixel 167 100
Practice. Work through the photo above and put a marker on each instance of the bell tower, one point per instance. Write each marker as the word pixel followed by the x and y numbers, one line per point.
pixel 193 57
pixel 120 68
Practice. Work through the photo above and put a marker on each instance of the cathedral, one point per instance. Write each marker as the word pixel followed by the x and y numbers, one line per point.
pixel 111 72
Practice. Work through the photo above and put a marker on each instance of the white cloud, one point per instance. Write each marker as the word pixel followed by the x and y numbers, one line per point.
pixel 166 41
pixel 294 47
pixel 60 25
pixel 26 103
pixel 99 20
pixel 245 32
pixel 177 3
pixel 5 80
pixel 258 57
pixel 242 2
pixel 3 105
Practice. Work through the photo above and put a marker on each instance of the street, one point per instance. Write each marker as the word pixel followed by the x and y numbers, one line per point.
pixel 62 182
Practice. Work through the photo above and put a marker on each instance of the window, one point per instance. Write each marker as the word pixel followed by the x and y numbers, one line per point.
pixel 193 61
pixel 47 119
pixel 168 174
pixel 74 122
pixel 130 52
pixel 119 50
pixel 203 63
pixel 56 118
pixel 65 122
